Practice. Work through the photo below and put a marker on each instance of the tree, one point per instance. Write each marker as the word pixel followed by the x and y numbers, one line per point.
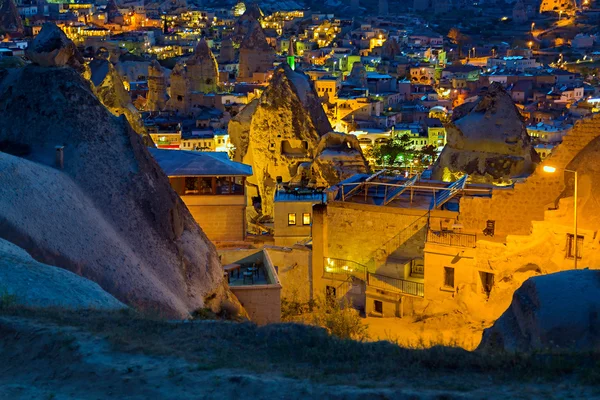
pixel 394 152
pixel 458 38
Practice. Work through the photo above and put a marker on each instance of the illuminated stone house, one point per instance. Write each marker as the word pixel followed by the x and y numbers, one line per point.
pixel 212 187
pixel 397 257
pixel 292 216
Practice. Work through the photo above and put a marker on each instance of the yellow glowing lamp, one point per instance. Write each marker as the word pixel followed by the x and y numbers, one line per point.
pixel 550 169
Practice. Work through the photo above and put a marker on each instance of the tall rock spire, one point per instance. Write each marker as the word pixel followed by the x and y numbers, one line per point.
pixel 10 20
pixel 202 69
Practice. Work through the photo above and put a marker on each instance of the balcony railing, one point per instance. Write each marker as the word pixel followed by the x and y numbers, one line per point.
pixel 452 238
pixel 344 267
pixel 396 285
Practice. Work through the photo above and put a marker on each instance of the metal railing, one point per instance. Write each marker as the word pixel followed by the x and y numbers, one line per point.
pixel 452 238
pixel 344 269
pixel 399 239
pixel 396 285
pixel 337 266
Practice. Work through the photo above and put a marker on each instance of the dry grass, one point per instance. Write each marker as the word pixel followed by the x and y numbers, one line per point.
pixel 306 352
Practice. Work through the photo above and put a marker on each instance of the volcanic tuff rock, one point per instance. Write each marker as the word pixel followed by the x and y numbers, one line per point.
pixel 110 214
pixel 487 139
pixel 337 157
pixel 157 88
pixel 227 52
pixel 34 284
pixel 202 68
pixel 281 133
pixel 255 53
pixel 52 48
pixel 556 311
pixel 109 88
pixel 358 75
pixel 10 20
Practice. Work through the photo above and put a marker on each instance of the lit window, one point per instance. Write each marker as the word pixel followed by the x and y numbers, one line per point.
pixel 306 219
pixel 291 219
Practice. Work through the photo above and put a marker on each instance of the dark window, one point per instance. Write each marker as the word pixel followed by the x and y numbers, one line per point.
pixel 571 245
pixel 330 295
pixel 487 282
pixel 449 277
pixel 378 305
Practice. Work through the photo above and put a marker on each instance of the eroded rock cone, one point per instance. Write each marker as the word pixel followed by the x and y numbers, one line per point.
pixel 52 48
pixel 338 157
pixel 10 20
pixel 488 140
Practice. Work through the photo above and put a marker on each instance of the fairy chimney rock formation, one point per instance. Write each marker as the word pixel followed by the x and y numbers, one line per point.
pixel 283 131
pixel 358 75
pixel 10 19
pixel 52 48
pixel 227 52
pixel 488 140
pixel 202 70
pixel 157 88
pixel 256 56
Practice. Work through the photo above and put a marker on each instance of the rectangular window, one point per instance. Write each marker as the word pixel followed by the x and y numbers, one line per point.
pixel 449 277
pixel 571 245
pixel 487 282
pixel 306 219
pixel 291 219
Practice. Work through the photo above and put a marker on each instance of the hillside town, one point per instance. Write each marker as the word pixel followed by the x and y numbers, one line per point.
pixel 428 167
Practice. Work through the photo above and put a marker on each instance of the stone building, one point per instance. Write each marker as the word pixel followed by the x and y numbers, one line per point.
pixel 212 187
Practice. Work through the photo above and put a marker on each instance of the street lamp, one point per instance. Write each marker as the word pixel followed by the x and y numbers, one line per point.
pixel 551 170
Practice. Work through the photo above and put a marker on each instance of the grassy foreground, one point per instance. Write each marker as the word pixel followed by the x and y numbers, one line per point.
pixel 307 353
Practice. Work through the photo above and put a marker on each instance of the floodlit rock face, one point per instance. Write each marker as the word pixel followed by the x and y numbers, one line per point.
pixel 338 157
pixel 110 214
pixel 34 284
pixel 280 135
pixel 556 311
pixel 10 20
pixel 108 87
pixel 52 48
pixel 256 56
pixel 157 88
pixel 202 69
pixel 488 140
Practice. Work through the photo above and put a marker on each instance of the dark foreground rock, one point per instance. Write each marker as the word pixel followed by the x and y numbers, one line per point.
pixel 556 311
pixel 109 214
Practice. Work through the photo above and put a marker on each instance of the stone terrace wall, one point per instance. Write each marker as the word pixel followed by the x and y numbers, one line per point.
pixel 355 231
pixel 515 209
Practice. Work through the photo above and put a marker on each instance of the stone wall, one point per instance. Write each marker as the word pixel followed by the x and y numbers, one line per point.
pixel 221 223
pixel 355 231
pixel 293 267
pixel 262 302
pixel 515 209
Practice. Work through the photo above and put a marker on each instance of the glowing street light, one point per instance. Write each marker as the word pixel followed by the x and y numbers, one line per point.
pixel 550 169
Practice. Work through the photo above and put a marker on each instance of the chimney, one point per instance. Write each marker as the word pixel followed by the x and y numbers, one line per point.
pixel 60 157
